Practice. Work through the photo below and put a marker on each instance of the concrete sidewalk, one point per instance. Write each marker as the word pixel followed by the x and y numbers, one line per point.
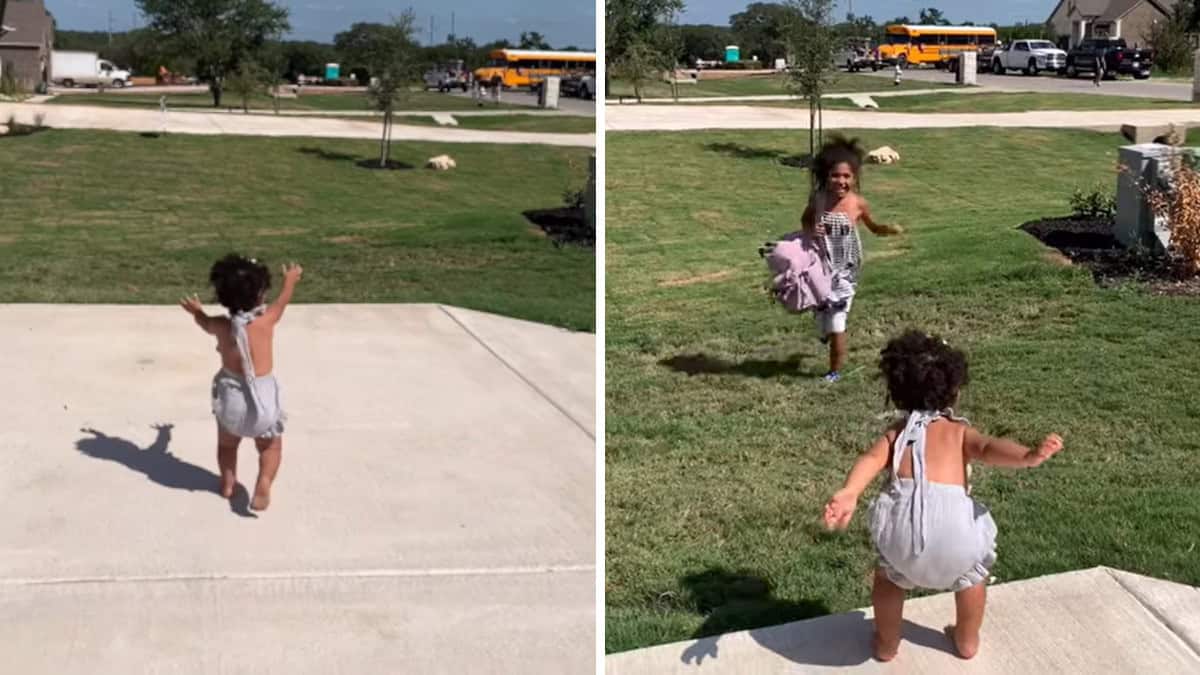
pixel 685 118
pixel 435 510
pixel 205 123
pixel 1092 621
pixel 887 93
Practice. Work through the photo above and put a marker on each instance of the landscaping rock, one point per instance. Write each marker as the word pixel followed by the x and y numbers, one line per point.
pixel 441 163
pixel 884 155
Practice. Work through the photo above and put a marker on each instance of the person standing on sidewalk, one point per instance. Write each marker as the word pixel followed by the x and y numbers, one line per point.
pixel 1099 69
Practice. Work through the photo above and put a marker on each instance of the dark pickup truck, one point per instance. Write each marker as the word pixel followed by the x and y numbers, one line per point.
pixel 1119 58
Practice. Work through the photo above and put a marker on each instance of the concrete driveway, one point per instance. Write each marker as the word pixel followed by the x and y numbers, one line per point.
pixel 1092 621
pixel 435 510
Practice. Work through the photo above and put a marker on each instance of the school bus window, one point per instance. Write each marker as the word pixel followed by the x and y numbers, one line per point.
pixel 894 39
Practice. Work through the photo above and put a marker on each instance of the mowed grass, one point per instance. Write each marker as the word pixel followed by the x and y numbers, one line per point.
pixel 413 100
pixel 106 217
pixel 1009 103
pixel 715 480
pixel 759 85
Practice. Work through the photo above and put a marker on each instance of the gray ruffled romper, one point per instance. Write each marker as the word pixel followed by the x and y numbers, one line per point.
pixel 930 535
pixel 246 405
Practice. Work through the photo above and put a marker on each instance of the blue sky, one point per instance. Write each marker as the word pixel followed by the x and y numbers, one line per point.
pixel 981 11
pixel 563 22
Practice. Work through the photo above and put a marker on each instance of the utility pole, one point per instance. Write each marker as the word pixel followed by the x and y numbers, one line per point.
pixel 110 28
pixel 431 43
pixel 452 24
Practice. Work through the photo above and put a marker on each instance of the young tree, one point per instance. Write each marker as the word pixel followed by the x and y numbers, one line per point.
pixel 640 64
pixel 634 21
pixel 391 54
pixel 932 16
pixel 814 42
pixel 1170 42
pixel 248 80
pixel 219 34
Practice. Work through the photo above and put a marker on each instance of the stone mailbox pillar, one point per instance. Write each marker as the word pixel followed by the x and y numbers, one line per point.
pixel 1196 77
pixel 968 69
pixel 1142 166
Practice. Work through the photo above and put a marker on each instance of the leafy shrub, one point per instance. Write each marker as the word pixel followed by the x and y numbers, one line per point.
pixel 1099 202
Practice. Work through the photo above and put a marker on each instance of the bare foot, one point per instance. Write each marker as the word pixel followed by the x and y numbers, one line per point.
pixel 262 497
pixel 884 652
pixel 966 646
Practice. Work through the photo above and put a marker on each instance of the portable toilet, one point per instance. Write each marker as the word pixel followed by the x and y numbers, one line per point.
pixel 732 54
pixel 333 71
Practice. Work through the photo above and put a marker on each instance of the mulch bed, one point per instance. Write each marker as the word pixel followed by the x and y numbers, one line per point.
pixel 1090 242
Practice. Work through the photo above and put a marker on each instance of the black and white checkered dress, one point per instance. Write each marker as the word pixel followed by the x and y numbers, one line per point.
pixel 844 249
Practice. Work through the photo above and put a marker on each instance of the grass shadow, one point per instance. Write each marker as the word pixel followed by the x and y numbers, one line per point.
pixel 160 466
pixel 565 225
pixel 704 364
pixel 322 153
pixel 802 161
pixel 736 601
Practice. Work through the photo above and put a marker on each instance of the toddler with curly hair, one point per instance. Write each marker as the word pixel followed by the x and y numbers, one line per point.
pixel 927 530
pixel 245 395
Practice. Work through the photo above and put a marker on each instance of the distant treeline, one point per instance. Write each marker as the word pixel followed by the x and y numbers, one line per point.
pixel 142 52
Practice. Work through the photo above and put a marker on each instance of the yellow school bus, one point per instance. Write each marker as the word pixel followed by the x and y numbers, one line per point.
pixel 935 45
pixel 528 67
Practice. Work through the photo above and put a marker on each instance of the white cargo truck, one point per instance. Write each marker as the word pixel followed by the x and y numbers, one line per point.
pixel 70 68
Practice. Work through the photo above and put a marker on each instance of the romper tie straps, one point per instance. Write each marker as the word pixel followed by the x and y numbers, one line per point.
pixel 914 435
pixel 240 320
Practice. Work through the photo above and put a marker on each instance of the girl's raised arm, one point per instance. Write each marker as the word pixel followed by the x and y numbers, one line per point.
pixel 1003 452
pixel 291 275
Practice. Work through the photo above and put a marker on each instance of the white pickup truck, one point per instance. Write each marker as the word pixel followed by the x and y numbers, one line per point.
pixel 1029 56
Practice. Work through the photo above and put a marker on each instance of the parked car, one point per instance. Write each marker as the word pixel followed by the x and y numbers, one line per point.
pixel 983 58
pixel 859 54
pixel 447 76
pixel 580 86
pixel 1029 56
pixel 70 68
pixel 1119 58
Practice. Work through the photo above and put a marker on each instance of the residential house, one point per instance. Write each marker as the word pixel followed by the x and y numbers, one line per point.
pixel 26 41
pixel 1130 19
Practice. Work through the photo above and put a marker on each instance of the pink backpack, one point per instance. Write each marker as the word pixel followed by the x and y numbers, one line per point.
pixel 801 280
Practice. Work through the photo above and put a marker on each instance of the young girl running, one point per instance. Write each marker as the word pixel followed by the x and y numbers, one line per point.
pixel 245 395
pixel 834 210
pixel 928 532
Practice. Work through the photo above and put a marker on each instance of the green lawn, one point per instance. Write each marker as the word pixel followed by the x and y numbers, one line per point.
pixel 415 100
pixel 105 217
pixel 1009 102
pixel 715 481
pixel 763 85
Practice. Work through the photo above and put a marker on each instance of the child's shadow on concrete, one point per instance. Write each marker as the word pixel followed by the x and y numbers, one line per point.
pixel 744 601
pixel 704 364
pixel 160 466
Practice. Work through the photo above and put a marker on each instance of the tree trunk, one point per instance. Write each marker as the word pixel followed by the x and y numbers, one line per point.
pixel 383 141
pixel 215 89
pixel 812 128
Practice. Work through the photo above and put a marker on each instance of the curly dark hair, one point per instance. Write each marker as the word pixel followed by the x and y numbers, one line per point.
pixel 240 282
pixel 837 150
pixel 922 371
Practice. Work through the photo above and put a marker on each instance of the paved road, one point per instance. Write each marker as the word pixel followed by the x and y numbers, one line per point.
pixel 680 118
pixel 573 106
pixel 207 123
pixel 435 510
pixel 1175 91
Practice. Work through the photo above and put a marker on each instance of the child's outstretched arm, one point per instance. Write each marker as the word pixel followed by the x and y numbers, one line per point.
pixel 192 306
pixel 1003 452
pixel 840 507
pixel 291 275
pixel 875 227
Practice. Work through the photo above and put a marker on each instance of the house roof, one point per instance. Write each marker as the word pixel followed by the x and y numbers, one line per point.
pixel 1108 10
pixel 27 22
